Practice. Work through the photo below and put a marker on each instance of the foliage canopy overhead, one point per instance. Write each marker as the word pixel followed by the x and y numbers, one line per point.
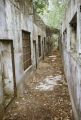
pixel 40 5
pixel 51 11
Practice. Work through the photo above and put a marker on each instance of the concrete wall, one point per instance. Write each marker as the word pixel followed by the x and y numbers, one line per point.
pixel 39 30
pixel 16 16
pixel 72 58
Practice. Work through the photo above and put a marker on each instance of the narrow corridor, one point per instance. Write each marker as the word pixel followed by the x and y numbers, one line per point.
pixel 45 95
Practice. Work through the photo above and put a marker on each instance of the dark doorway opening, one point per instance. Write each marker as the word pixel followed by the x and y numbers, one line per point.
pixel 8 71
pixel 39 45
pixel 43 49
pixel 35 53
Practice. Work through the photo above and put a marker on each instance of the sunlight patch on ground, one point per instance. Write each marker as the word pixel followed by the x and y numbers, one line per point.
pixel 53 57
pixel 48 83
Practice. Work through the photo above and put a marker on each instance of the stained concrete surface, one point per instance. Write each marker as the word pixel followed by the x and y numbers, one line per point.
pixel 45 95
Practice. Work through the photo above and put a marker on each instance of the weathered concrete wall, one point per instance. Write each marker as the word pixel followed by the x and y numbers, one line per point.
pixel 16 16
pixel 39 30
pixel 71 57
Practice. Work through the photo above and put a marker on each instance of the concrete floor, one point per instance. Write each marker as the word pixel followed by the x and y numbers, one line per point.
pixel 45 95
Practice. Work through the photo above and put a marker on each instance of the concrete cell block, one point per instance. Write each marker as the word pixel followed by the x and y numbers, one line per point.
pixel 12 21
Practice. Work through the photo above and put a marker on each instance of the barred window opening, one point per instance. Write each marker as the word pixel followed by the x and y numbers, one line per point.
pixel 26 49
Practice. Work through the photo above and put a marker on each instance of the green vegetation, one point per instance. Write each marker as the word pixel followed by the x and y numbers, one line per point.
pixel 40 6
pixel 53 17
pixel 51 11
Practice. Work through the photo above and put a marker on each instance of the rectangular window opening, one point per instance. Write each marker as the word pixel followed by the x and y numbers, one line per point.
pixel 80 8
pixel 39 45
pixel 26 49
pixel 73 28
pixel 65 37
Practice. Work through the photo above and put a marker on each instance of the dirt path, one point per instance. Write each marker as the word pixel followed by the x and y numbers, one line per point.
pixel 45 94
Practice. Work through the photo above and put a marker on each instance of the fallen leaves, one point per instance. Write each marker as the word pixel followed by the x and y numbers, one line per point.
pixel 44 104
